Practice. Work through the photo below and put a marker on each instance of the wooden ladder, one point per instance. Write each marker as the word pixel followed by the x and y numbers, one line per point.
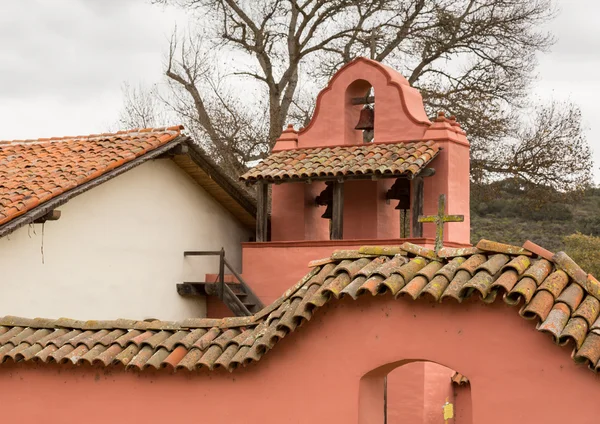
pixel 238 296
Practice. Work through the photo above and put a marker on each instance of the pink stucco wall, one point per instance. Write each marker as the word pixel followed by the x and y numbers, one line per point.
pixel 400 113
pixel 321 374
pixel 451 178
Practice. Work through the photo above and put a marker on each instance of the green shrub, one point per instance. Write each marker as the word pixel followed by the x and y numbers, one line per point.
pixel 590 226
pixel 585 250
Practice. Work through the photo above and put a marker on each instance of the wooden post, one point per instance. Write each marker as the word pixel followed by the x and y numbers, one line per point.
pixel 404 223
pixel 337 219
pixel 220 287
pixel 262 197
pixel 417 207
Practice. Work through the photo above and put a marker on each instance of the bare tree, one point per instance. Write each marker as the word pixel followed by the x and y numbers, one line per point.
pixel 142 108
pixel 228 126
pixel 472 58
pixel 549 151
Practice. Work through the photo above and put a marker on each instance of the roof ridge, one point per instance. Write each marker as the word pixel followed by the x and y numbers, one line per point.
pixel 172 129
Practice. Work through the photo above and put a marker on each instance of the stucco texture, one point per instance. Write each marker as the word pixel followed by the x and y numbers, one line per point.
pixel 117 250
pixel 329 371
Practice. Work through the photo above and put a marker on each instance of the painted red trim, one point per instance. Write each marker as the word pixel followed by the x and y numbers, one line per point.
pixel 390 82
pixel 355 242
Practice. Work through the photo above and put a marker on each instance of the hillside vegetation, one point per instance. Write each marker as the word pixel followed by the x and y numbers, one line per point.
pixel 510 216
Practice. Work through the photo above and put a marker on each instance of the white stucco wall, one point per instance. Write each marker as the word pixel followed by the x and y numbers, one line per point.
pixel 117 250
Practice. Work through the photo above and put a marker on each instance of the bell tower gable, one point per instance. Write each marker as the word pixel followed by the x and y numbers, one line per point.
pixel 399 112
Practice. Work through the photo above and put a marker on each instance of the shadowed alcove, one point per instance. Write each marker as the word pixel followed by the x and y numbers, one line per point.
pixel 415 392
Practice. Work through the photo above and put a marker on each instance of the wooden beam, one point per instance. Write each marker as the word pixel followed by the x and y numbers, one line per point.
pixel 180 149
pixel 53 215
pixel 417 206
pixel 196 289
pixel 221 283
pixel 363 100
pixel 337 219
pixel 427 172
pixel 202 253
pixel 262 200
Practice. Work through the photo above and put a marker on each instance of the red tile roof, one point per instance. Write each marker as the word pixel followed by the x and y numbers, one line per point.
pixel 557 293
pixel 459 379
pixel 387 159
pixel 35 171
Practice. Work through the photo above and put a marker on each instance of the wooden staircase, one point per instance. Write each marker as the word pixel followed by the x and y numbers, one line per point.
pixel 237 295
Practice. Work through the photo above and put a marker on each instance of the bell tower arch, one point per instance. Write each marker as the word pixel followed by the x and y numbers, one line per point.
pixel 353 112
pixel 401 115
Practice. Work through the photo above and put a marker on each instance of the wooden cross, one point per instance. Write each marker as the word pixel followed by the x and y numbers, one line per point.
pixel 439 220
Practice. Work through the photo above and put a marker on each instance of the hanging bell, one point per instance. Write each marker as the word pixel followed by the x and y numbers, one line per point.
pixel 366 121
pixel 404 202
pixel 326 198
pixel 328 214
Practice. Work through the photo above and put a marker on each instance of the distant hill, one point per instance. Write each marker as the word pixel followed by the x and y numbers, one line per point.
pixel 509 215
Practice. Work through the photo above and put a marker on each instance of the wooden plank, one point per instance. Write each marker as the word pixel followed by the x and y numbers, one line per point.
pixel 262 195
pixel 417 206
pixel 337 219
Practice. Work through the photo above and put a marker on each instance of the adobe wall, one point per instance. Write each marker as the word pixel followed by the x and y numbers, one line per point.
pixel 117 250
pixel 313 375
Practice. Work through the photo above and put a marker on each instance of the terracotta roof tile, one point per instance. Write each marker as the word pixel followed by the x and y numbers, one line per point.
pixel 562 307
pixel 35 171
pixel 396 159
pixel 459 379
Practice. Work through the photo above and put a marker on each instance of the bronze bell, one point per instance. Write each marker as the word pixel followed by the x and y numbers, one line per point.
pixel 366 121
pixel 328 214
pixel 326 198
pixel 404 202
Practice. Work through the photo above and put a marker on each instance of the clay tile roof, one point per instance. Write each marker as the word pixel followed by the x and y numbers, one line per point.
pixel 556 293
pixel 459 379
pixel 34 171
pixel 392 159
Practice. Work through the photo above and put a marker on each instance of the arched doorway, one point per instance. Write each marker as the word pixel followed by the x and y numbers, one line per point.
pixel 414 392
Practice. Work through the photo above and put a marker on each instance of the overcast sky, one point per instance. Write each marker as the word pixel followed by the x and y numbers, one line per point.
pixel 64 62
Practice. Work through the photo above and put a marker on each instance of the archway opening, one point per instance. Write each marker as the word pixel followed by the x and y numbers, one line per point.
pixel 360 113
pixel 416 392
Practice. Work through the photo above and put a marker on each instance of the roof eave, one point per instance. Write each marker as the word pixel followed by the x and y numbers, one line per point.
pixel 42 209
pixel 216 173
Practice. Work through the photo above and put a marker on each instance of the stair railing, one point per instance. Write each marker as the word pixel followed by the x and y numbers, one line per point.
pixel 222 290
